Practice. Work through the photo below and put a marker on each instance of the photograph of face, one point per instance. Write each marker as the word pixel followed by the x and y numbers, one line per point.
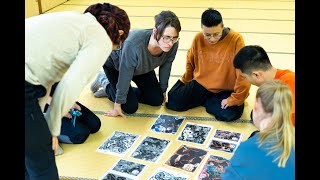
pixel 167 124
pixel 118 143
pixel 150 149
pixel 186 158
pixel 195 133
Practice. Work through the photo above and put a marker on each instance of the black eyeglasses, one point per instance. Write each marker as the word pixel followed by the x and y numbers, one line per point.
pixel 167 39
pixel 215 36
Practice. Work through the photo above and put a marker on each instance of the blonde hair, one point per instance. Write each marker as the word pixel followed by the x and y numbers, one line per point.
pixel 276 98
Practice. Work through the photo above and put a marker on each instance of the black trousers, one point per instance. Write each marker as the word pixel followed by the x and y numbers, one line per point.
pixel 85 125
pixel 40 161
pixel 148 90
pixel 182 97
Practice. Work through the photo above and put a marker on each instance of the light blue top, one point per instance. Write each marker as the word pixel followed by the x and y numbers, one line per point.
pixel 252 163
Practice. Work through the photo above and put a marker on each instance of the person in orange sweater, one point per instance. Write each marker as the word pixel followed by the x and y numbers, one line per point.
pixel 210 79
pixel 254 64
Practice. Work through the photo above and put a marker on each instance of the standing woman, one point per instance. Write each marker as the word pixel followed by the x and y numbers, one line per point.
pixel 69 48
pixel 270 153
pixel 141 53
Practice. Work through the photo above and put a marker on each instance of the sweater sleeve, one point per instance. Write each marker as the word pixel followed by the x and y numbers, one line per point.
pixel 242 85
pixel 190 66
pixel 129 60
pixel 90 58
pixel 241 91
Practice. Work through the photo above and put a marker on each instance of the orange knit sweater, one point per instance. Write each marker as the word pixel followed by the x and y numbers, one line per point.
pixel 212 66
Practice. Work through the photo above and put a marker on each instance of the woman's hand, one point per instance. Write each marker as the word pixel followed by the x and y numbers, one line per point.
pixel 75 106
pixel 55 144
pixel 117 111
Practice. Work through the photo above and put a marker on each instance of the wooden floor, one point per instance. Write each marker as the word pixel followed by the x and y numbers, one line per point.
pixel 270 24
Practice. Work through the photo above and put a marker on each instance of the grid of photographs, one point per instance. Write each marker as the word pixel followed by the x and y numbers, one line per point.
pixel 185 158
pixel 118 143
pixel 166 123
pixel 226 141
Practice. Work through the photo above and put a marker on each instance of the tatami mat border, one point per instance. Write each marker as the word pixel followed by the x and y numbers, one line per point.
pixel 74 178
pixel 195 118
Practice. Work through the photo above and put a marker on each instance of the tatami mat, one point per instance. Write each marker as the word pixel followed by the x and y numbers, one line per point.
pixel 82 160
pixel 268 23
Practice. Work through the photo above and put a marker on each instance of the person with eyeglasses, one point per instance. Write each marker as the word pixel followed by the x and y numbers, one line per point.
pixel 142 52
pixel 65 47
pixel 210 80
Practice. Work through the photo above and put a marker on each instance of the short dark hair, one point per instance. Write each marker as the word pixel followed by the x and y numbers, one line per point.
pixel 251 57
pixel 165 19
pixel 211 17
pixel 113 19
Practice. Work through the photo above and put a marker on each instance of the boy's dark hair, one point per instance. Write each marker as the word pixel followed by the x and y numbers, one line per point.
pixel 251 57
pixel 211 17
pixel 165 19
pixel 113 19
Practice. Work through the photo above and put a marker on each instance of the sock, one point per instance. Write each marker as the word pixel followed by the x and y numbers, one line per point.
pixel 100 93
pixel 97 83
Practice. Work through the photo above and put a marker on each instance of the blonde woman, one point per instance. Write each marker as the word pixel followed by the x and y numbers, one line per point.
pixel 270 153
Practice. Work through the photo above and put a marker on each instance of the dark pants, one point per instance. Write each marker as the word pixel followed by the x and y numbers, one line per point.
pixel 86 124
pixel 148 90
pixel 39 157
pixel 182 97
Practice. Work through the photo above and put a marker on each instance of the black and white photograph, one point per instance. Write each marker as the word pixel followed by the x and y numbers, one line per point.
pixel 124 170
pixel 187 158
pixel 151 149
pixel 194 133
pixel 168 124
pixel 114 176
pixel 166 174
pixel 118 143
